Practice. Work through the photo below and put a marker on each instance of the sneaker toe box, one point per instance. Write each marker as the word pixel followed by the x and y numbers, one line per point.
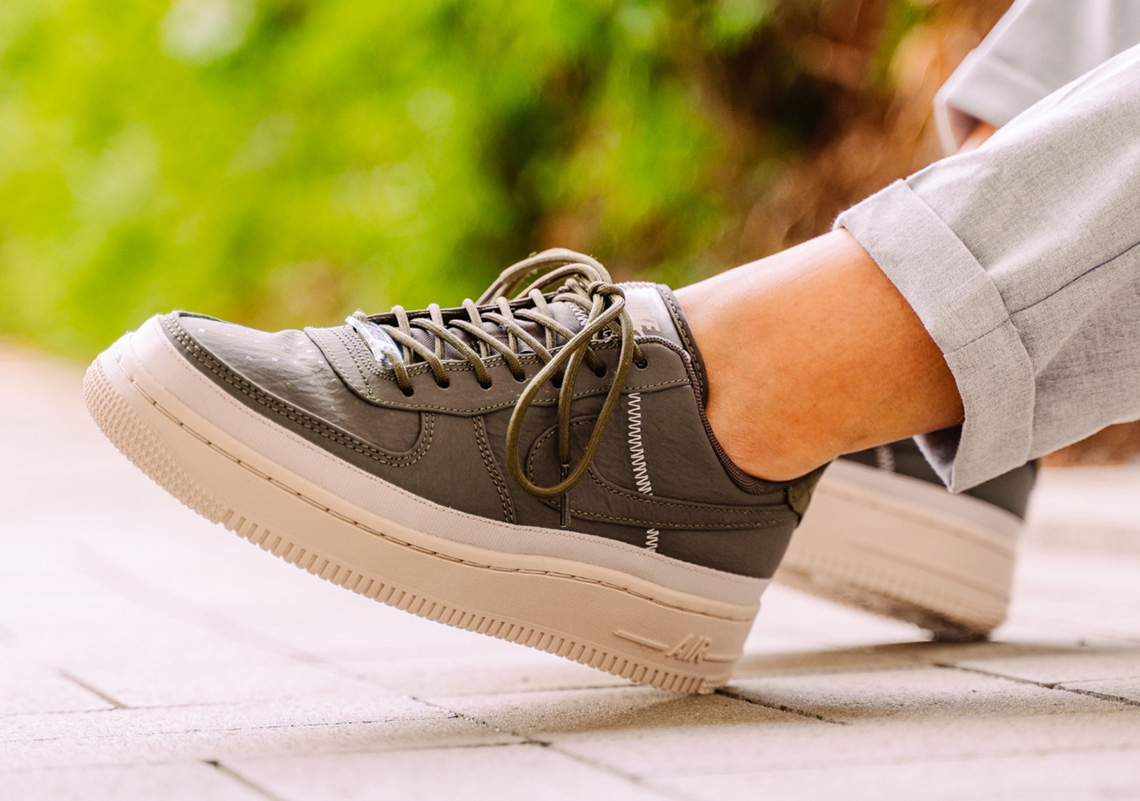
pixel 280 372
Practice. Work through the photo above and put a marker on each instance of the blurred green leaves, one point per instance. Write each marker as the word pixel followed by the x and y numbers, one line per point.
pixel 285 161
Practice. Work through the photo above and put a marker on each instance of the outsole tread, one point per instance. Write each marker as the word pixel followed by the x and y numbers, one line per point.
pixel 948 617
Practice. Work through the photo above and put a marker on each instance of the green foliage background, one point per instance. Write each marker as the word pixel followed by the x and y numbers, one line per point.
pixel 282 162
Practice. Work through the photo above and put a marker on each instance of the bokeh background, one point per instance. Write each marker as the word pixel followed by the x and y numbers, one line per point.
pixel 283 162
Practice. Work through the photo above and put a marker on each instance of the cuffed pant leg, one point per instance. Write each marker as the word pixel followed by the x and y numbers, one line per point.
pixel 1021 260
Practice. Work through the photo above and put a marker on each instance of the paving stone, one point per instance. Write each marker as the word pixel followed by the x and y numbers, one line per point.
pixel 1117 621
pixel 185 782
pixel 30 689
pixel 1024 629
pixel 362 704
pixel 814 661
pixel 505 773
pixel 1125 688
pixel 228 684
pixel 1112 774
pixel 685 749
pixel 629 708
pixel 120 633
pixel 1055 664
pixel 513 671
pixel 365 722
pixel 1060 575
pixel 349 628
pixel 934 694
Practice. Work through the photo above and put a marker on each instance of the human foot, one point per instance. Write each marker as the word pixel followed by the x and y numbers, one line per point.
pixel 812 353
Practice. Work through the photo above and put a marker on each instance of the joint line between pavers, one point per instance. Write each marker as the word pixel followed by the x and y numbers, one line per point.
pixel 751 699
pixel 1045 685
pixel 115 702
pixel 242 780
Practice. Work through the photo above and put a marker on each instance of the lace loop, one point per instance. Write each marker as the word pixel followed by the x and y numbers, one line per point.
pixel 572 354
pixel 586 284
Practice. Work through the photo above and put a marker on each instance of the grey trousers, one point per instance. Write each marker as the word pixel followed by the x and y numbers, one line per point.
pixel 1035 49
pixel 1022 261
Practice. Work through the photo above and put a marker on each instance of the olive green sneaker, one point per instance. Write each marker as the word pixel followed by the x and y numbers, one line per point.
pixel 538 469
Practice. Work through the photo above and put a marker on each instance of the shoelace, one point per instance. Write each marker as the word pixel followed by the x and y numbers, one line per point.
pixel 586 283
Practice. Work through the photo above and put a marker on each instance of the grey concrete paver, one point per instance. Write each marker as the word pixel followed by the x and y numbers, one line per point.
pixel 933 694
pixel 29 689
pixel 685 750
pixel 1056 665
pixel 221 685
pixel 550 716
pixel 818 660
pixel 1115 621
pixel 807 621
pixel 1108 774
pixel 361 707
pixel 124 635
pixel 653 734
pixel 1127 689
pixel 1087 508
pixel 480 674
pixel 177 734
pixel 180 782
pixel 508 773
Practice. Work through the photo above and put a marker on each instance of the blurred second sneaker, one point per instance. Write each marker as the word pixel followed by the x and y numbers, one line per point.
pixel 884 535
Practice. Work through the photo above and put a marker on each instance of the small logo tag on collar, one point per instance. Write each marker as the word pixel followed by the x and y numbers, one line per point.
pixel 648 312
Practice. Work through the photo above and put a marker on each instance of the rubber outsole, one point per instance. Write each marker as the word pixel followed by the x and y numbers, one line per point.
pixel 630 631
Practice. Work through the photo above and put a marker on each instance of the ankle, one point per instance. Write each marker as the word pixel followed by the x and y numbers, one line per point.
pixel 763 423
pixel 812 353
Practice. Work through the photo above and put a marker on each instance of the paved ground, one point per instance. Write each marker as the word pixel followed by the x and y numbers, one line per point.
pixel 146 654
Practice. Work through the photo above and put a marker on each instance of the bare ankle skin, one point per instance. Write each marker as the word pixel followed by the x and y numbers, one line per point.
pixel 812 353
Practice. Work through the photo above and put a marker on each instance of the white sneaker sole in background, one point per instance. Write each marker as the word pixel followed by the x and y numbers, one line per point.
pixel 904 548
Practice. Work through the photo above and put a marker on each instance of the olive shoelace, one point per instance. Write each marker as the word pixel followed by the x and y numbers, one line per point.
pixel 584 283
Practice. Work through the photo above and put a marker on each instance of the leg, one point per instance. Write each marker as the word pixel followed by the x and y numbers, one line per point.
pixel 882 536
pixel 788 392
pixel 1018 259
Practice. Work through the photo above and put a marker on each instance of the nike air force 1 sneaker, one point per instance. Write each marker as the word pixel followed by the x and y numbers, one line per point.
pixel 886 536
pixel 535 465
